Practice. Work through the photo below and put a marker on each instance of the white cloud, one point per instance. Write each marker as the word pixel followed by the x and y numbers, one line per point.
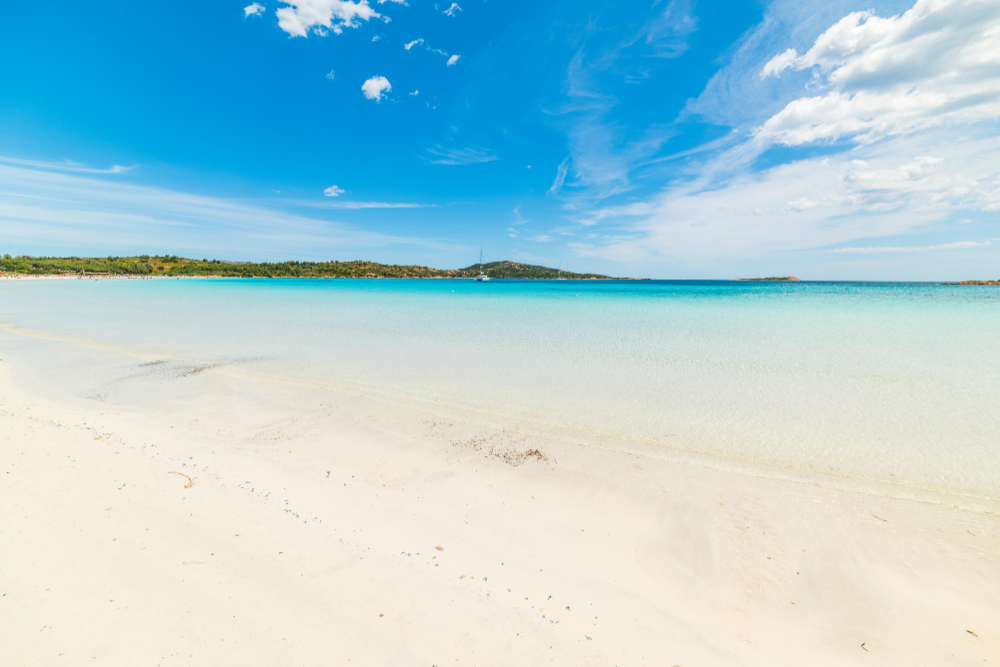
pixel 869 250
pixel 420 42
pixel 542 238
pixel 780 62
pixel 333 191
pixel 375 38
pixel 736 95
pixel 453 9
pixel 414 93
pixel 302 16
pixel 256 9
pixel 375 87
pixel 937 63
pixel 815 202
pixel 910 101
pixel 331 75
pixel 560 178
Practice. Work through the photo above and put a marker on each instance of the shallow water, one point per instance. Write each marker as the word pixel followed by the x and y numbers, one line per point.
pixel 891 388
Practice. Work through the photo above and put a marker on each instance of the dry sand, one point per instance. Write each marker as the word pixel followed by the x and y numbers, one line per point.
pixel 333 530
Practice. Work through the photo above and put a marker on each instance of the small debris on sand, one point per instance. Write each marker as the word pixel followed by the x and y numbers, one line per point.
pixel 190 482
pixel 498 446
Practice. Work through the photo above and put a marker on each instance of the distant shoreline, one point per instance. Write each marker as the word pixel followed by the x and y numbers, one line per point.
pixel 977 283
pixel 63 276
pixel 172 266
pixel 60 276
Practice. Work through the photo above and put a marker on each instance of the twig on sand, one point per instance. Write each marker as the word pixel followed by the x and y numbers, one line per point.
pixel 863 645
pixel 972 633
pixel 190 481
pixel 879 518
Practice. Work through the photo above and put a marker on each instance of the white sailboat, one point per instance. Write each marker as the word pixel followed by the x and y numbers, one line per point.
pixel 482 277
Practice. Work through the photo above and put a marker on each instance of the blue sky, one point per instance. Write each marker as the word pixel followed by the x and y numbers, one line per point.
pixel 665 138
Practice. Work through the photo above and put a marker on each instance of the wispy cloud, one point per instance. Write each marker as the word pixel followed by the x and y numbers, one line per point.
pixel 44 210
pixel 668 32
pixel 459 155
pixel 344 205
pixel 869 250
pixel 255 9
pixel 607 151
pixel 452 10
pixel 452 59
pixel 560 179
pixel 65 165
pixel 887 189
pixel 519 219
pixel 333 191
pixel 905 112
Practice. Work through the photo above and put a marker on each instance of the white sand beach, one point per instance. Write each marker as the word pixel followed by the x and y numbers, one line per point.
pixel 378 333
pixel 221 520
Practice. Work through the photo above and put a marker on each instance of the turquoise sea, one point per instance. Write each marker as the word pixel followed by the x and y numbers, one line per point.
pixel 882 387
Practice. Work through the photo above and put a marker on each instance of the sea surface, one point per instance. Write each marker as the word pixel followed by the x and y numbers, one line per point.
pixel 880 387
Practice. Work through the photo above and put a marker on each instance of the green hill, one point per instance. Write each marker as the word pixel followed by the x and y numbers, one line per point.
pixel 508 269
pixel 171 265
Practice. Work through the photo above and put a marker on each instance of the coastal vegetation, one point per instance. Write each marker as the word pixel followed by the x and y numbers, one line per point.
pixel 772 279
pixel 174 266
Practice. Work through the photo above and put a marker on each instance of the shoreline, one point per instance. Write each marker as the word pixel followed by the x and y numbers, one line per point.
pixel 313 510
pixel 33 276
pixel 944 283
